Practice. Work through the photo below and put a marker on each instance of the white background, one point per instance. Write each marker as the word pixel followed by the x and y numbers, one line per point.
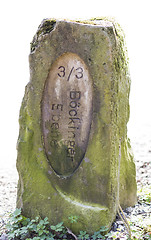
pixel 19 21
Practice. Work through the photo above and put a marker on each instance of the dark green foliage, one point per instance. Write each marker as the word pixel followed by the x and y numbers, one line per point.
pixel 83 235
pixel 20 227
pixel 73 219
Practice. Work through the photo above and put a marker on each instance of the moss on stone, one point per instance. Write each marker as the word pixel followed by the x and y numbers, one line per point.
pixel 91 192
pixel 45 27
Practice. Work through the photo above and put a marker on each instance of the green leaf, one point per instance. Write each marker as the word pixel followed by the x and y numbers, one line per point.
pixel 17 212
pixel 36 220
pixel 73 219
pixel 17 232
pixel 46 231
pixel 11 235
pixel 104 229
pixel 59 229
pixel 23 230
pixel 26 222
pixel 43 237
pixel 86 236
pixel 50 238
pixel 41 222
pixel 46 221
pixel 19 219
pixel 59 224
pixel 53 227
pixel 40 232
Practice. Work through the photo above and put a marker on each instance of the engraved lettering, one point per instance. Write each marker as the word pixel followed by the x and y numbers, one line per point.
pixel 62 71
pixel 55 125
pixel 70 74
pixel 72 143
pixel 71 134
pixel 73 120
pixel 73 104
pixel 66 113
pixel 57 107
pixel 73 113
pixel 71 152
pixel 75 94
pixel 80 73
pixel 73 123
pixel 55 118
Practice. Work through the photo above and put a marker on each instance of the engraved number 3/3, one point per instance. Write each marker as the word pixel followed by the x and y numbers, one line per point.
pixel 62 72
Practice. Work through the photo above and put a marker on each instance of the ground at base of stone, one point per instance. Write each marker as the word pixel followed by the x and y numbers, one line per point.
pixel 119 230
pixel 141 144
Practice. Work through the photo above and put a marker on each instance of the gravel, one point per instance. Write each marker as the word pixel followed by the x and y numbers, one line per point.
pixel 8 192
pixel 141 144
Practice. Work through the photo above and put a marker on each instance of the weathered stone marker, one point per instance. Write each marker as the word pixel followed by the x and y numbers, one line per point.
pixel 73 115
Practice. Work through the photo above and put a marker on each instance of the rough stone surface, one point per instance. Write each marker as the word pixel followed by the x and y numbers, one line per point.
pixel 74 112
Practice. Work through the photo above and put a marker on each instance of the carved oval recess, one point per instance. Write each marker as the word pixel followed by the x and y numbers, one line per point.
pixel 67 113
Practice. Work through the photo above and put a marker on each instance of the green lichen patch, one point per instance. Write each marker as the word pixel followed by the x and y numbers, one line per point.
pixel 45 27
